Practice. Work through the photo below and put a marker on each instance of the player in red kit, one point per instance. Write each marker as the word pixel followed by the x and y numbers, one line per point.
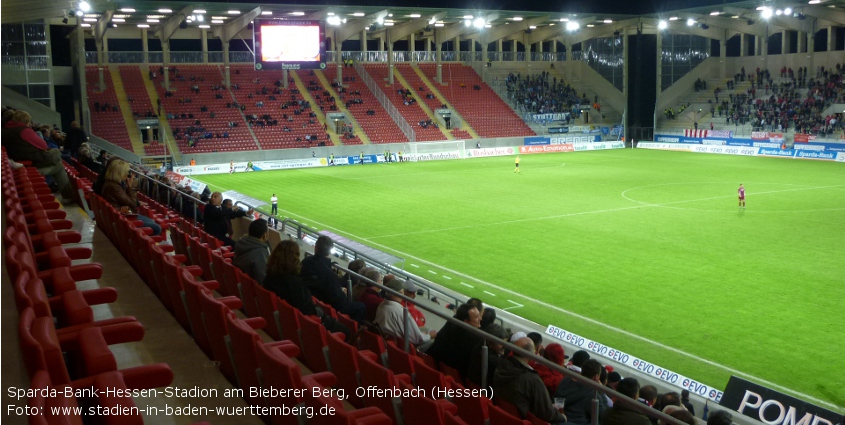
pixel 741 193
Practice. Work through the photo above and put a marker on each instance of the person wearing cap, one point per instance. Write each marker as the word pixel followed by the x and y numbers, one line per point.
pixel 554 353
pixel 390 315
pixel 410 291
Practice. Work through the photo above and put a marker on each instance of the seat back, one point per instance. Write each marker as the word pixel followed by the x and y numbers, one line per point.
pixel 314 344
pixel 243 345
pixel 344 360
pixel 426 377
pixel 499 416
pixel 371 341
pixel 248 292
pixel 474 410
pixel 193 292
pixel 279 371
pixel 423 410
pixel 289 321
pixel 214 320
pixel 218 265
pixel 399 361
pixel 267 309
pixel 374 374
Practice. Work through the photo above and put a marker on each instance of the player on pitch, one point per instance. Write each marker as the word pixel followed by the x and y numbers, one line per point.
pixel 516 162
pixel 741 193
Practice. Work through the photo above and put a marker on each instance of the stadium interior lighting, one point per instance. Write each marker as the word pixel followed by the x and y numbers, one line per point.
pixel 590 25
pixel 84 6
pixel 690 22
pixel 267 12
pixel 205 26
pixel 234 12
pixel 673 18
pixel 532 27
pixel 165 11
pixel 90 19
pixel 200 18
pixel 517 18
pixel 766 13
pixel 216 21
pixel 143 25
pixel 297 13
pixel 467 23
pixel 468 17
pixel 380 20
pixel 778 12
pixel 199 11
pixel 389 24
pixel 715 13
pixel 127 10
pixel 572 26
pixel 608 21
pixel 333 20
pixel 359 14
pixel 415 15
pixel 787 11
pixel 662 25
pixel 79 13
pixel 86 25
pixel 153 21
pixel 815 1
pixel 432 21
pixel 479 22
pixel 439 24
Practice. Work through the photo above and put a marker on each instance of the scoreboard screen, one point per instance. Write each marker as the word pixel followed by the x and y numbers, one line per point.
pixel 285 44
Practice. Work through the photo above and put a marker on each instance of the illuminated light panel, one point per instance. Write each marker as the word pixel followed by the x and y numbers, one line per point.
pixel 118 20
pixel 165 11
pixel 127 10
pixel 673 18
pixel 153 21
pixel 715 13
pixel 438 25
pixel 200 11
pixel 90 19
pixel 267 12
pixel 608 21
pixel 143 26
pixel 86 25
pixel 216 21
pixel 205 26
pixel 415 15
pixel 590 25
pixel 517 18
pixel 359 14
pixel 297 13
pixel 234 12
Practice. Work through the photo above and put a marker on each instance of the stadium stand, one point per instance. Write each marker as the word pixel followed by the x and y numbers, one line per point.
pixel 106 119
pixel 196 108
pixel 480 106
pixel 406 101
pixel 369 113
pixel 423 92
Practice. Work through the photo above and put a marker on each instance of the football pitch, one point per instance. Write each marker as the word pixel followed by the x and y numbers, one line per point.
pixel 644 251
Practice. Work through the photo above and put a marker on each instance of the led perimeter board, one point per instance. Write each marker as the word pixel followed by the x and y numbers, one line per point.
pixel 289 44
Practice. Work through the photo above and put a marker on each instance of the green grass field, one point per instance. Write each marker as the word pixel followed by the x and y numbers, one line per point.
pixel 650 243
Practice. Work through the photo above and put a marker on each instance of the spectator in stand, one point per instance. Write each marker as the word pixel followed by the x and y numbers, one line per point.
pixel 517 383
pixel 368 294
pixel 74 139
pixel 538 342
pixel 554 353
pixel 283 269
pixel 454 344
pixel 579 397
pixel 23 144
pixel 685 402
pixel 390 316
pixel 613 379
pixel 121 191
pixel 252 250
pixel 354 266
pixel 620 414
pixel 495 354
pixel 84 157
pixel 578 360
pixel 648 395
pixel 410 291
pixel 720 417
pixel 321 279
pixel 218 220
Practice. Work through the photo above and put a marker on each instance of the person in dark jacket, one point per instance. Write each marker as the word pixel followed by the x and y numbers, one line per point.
pixel 620 414
pixel 495 355
pixel 282 278
pixel 75 138
pixel 23 144
pixel 218 218
pixel 252 250
pixel 519 384
pixel 453 345
pixel 321 279
pixel 579 397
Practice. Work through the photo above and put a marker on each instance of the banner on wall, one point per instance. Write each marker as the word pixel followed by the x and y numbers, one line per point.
pixel 547 149
pixel 773 407
pixel 574 139
pixel 804 138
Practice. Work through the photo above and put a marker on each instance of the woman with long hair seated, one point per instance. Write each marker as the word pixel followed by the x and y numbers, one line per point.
pixel 283 268
pixel 119 189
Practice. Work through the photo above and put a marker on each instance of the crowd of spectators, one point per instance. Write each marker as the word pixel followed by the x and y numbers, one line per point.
pixel 541 94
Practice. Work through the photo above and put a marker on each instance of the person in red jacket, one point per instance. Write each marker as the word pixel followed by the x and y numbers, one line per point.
pixel 23 144
pixel 554 353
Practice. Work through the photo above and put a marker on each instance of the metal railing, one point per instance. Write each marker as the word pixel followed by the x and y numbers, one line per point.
pixel 599 389
pixel 385 102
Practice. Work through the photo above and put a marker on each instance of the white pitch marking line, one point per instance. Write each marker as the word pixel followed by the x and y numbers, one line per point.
pixel 490 293
pixel 447 277
pixel 585 318
pixel 467 285
pixel 432 272
pixel 414 265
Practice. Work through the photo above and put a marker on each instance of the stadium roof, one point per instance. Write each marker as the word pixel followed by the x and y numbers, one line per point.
pixel 736 16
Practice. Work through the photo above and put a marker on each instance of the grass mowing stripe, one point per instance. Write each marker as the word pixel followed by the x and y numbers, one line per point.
pixel 742 289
